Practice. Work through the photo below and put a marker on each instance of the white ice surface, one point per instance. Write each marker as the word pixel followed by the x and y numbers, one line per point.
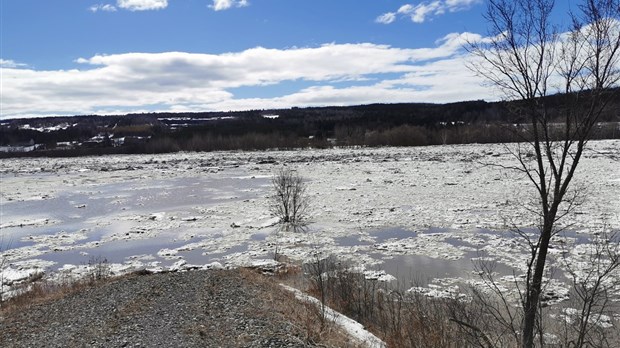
pixel 215 205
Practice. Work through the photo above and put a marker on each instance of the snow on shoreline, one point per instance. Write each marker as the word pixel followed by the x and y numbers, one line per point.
pixel 352 327
pixel 202 208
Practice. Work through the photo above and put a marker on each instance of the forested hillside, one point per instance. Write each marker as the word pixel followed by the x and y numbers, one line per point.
pixel 406 124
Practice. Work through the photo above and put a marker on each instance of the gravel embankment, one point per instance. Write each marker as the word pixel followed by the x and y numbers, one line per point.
pixel 189 309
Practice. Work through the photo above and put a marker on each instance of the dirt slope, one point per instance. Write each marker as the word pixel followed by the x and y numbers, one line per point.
pixel 189 309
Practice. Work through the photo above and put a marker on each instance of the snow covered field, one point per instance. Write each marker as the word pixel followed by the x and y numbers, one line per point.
pixel 419 212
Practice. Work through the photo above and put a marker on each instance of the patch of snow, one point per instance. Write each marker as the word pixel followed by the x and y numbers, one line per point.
pixel 26 223
pixel 352 327
pixel 213 265
pixel 431 245
pixel 12 275
pixel 177 266
pixel 379 276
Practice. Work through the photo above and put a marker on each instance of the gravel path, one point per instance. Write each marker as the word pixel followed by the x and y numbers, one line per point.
pixel 189 309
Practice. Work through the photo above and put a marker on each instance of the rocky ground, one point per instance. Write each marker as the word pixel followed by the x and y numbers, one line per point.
pixel 185 309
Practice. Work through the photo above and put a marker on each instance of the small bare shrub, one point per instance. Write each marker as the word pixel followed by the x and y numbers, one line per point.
pixel 289 201
pixel 99 269
pixel 320 271
pixel 37 289
pixel 300 314
pixel 399 317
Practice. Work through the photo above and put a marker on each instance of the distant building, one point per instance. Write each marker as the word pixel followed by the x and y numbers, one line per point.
pixel 133 140
pixel 23 147
pixel 116 142
pixel 66 145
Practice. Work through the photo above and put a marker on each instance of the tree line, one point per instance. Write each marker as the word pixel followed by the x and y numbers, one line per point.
pixel 404 124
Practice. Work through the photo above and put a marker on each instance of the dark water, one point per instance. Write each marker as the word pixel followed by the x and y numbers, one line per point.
pixel 84 208
pixel 392 233
pixel 81 208
pixel 420 269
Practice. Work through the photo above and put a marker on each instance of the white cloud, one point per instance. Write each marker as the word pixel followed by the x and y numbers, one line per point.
pixel 174 81
pixel 386 18
pixel 219 5
pixel 420 13
pixel 102 7
pixel 7 63
pixel 425 11
pixel 405 9
pixel 458 5
pixel 142 5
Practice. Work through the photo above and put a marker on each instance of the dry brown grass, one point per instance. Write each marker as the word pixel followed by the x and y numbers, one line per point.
pixel 273 301
pixel 304 316
pixel 39 291
pixel 399 318
pixel 417 322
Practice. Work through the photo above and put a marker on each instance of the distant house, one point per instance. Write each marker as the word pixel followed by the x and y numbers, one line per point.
pixel 133 140
pixel 129 140
pixel 116 142
pixel 100 140
pixel 271 116
pixel 66 145
pixel 23 147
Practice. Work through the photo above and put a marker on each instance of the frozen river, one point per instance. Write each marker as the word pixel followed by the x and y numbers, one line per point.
pixel 415 213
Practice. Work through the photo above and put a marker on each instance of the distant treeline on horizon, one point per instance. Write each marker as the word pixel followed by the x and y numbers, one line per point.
pixel 405 124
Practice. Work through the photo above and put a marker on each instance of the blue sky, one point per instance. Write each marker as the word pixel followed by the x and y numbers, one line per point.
pixel 68 57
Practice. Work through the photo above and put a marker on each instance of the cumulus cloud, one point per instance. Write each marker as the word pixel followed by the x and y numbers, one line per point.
pixel 7 63
pixel 142 5
pixel 458 5
pixel 219 5
pixel 102 8
pixel 332 74
pixel 386 18
pixel 427 10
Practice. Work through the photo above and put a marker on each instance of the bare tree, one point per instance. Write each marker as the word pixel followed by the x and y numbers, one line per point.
pixel 595 278
pixel 527 58
pixel 289 201
pixel 320 271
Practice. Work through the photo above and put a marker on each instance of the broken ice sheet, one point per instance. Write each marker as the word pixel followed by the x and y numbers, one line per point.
pixel 215 205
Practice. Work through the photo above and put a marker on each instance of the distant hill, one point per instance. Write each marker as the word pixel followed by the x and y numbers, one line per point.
pixel 403 124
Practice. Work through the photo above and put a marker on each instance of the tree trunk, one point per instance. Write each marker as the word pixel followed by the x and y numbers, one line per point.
pixel 533 293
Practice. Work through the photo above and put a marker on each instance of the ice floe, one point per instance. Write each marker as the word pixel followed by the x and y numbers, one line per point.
pixel 207 208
